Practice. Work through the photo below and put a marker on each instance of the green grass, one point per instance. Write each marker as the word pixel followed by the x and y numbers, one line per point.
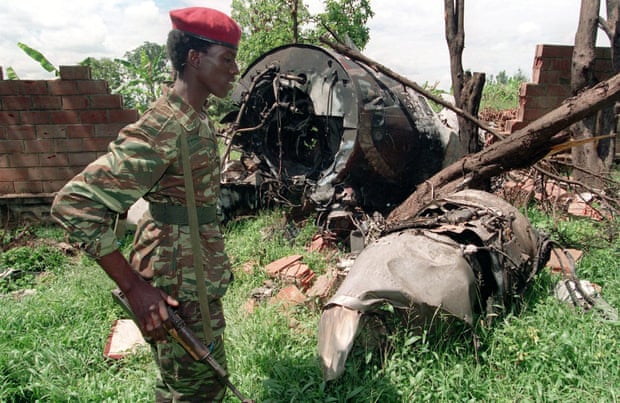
pixel 51 343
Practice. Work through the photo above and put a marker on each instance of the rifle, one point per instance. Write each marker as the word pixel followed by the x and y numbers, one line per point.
pixel 179 331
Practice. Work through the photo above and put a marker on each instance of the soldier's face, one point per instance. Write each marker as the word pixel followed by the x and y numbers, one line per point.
pixel 218 69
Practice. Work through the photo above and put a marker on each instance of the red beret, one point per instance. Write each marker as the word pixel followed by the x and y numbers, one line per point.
pixel 207 24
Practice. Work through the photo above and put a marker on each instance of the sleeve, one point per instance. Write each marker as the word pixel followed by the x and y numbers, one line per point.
pixel 87 205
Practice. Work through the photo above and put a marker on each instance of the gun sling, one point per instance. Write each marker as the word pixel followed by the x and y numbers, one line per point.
pixel 192 215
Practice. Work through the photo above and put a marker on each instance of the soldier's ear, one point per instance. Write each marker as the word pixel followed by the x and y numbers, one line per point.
pixel 193 58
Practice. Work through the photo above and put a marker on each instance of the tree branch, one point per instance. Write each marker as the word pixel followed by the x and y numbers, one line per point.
pixel 355 55
pixel 523 148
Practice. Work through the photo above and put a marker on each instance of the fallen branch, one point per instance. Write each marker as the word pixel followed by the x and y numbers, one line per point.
pixel 523 148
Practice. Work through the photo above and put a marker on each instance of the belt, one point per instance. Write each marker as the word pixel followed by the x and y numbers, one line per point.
pixel 176 214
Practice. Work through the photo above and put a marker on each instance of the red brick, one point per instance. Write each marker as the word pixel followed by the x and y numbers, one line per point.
pixel 75 102
pixel 79 131
pixel 32 87
pixel 39 146
pixel 51 132
pixel 602 53
pixel 21 132
pixel 107 101
pixel 5 161
pixel 554 51
pixel 9 118
pixel 13 174
pixel 512 126
pixel 53 160
pixel 123 115
pixel 536 74
pixel 29 187
pixel 290 295
pixel 45 173
pixel 18 160
pixel 559 64
pixel 95 144
pixel 8 87
pixel 54 186
pixel 109 130
pixel 62 87
pixel 561 91
pixel 68 117
pixel 11 146
pixel 275 267
pixel 94 116
pixel 544 102
pixel 549 76
pixel 74 72
pixel 46 102
pixel 35 117
pixel 603 69
pixel 531 114
pixel 81 159
pixel 71 145
pixel 92 87
pixel 7 187
pixel 16 103
pixel 323 286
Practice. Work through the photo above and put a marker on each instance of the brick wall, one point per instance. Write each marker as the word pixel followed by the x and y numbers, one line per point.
pixel 51 129
pixel 551 82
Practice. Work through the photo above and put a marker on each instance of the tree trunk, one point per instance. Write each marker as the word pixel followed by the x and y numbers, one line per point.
pixel 521 149
pixel 467 88
pixel 612 29
pixel 594 158
pixel 294 17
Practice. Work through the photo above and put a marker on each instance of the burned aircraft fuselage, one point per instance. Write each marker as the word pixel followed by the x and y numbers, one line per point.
pixel 318 122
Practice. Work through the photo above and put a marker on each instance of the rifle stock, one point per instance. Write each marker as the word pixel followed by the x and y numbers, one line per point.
pixel 178 329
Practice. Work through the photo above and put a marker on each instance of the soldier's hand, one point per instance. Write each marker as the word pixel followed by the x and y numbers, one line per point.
pixel 149 306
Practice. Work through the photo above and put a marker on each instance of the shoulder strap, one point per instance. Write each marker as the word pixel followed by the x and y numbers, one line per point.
pixel 192 215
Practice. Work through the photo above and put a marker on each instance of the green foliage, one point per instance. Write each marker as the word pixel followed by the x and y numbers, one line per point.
pixel 11 74
pixel 38 56
pixel 23 264
pixel 267 24
pixel 104 69
pixel 51 343
pixel 144 73
pixel 433 89
pixel 346 19
pixel 502 92
pixel 138 78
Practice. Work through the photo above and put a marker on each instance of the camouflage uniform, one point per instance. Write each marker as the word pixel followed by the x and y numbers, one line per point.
pixel 144 161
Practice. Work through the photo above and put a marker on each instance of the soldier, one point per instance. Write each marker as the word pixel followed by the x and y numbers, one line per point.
pixel 145 161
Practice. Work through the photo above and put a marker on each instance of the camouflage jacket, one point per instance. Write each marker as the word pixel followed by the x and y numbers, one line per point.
pixel 144 161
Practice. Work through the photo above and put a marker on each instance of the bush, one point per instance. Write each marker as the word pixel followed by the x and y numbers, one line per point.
pixel 21 265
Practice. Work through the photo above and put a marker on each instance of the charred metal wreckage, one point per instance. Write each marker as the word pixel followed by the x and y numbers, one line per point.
pixel 317 129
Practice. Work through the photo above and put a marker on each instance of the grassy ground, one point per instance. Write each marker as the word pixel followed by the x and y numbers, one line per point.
pixel 51 343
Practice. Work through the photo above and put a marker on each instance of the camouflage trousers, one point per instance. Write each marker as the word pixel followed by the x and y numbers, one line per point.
pixel 181 378
pixel 163 255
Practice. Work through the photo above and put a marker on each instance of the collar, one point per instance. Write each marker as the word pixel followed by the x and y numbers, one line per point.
pixel 186 115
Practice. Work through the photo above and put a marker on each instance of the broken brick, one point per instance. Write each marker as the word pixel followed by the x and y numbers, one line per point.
pixel 582 209
pixel 274 268
pixel 290 295
pixel 322 286
pixel 318 243
pixel 558 260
